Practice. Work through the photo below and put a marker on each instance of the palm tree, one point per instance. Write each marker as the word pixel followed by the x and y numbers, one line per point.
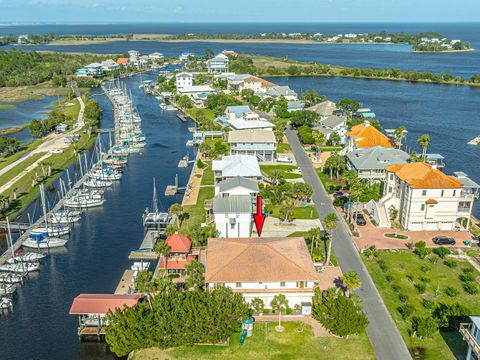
pixel 400 133
pixel 286 209
pixel 276 176
pixel 279 303
pixel 331 224
pixel 177 209
pixel 355 191
pixel 351 280
pixel 424 142
pixel 315 234
pixel 163 249
pixel 319 138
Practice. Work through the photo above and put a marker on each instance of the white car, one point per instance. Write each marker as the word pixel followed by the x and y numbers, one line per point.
pixel 57 151
pixel 284 159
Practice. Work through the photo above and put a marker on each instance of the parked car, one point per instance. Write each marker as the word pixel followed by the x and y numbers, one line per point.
pixel 284 159
pixel 360 219
pixel 443 240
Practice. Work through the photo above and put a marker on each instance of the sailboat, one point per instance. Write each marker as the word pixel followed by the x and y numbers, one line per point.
pixel 10 278
pixel 5 303
pixel 154 219
pixel 7 289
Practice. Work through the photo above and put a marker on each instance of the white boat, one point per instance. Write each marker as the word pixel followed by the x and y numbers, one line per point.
pixel 79 202
pixel 7 289
pixel 10 278
pixel 51 230
pixel 20 267
pixel 155 219
pixel 109 175
pixel 63 217
pixel 43 242
pixel 95 183
pixel 116 161
pixel 26 257
pixel 5 303
pixel 475 141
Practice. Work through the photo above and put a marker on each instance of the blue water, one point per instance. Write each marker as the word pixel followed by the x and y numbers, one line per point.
pixel 96 255
pixel 371 56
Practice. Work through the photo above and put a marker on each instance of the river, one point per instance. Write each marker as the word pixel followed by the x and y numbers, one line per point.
pixel 96 255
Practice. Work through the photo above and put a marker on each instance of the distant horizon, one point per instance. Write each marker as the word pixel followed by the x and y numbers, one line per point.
pixel 99 22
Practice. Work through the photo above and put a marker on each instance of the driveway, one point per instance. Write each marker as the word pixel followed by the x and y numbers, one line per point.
pixel 273 227
pixel 384 336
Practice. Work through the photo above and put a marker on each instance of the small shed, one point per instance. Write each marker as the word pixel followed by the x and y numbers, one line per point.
pixel 306 308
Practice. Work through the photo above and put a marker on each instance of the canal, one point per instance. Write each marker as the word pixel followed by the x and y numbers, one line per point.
pixel 96 255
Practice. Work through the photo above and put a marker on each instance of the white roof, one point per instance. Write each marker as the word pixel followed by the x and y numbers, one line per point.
pixel 196 88
pixel 238 165
pixel 184 74
pixel 251 136
pixel 240 124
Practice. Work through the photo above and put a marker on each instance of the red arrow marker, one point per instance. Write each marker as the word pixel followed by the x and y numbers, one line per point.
pixel 259 217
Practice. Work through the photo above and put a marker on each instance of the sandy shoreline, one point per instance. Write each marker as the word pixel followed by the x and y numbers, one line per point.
pixel 443 51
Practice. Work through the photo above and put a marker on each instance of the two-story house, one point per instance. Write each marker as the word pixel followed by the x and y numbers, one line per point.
pixel 233 216
pixel 242 117
pixel 333 124
pixel 256 84
pixel 183 80
pixel 324 109
pixel 426 198
pixel 179 256
pixel 261 143
pixel 471 334
pixel 237 186
pixel 236 165
pixel 369 163
pixel 218 64
pixel 364 136
pixel 262 268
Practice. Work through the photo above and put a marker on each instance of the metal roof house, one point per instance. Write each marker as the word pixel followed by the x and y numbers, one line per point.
pixel 261 143
pixel 242 117
pixel 233 216
pixel 237 186
pixel 218 64
pixel 236 165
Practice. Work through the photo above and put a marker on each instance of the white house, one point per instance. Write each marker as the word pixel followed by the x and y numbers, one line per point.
pixel 333 124
pixel 110 65
pixel 428 199
pixel 133 56
pixel 183 80
pixel 233 216
pixel 258 85
pixel 324 109
pixel 261 143
pixel 295 105
pixel 241 117
pixel 196 89
pixel 237 186
pixel 262 268
pixel 156 56
pixel 236 165
pixel 94 69
pixel 471 334
pixel 218 64
pixel 281 91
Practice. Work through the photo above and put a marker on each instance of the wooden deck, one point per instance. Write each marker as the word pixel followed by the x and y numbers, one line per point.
pixel 91 330
pixel 126 284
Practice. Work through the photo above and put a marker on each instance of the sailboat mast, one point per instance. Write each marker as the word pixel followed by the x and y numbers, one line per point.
pixel 10 238
pixel 44 205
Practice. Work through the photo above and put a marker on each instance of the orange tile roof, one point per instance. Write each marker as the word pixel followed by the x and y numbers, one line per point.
pixel 431 202
pixel 122 61
pixel 101 303
pixel 259 259
pixel 179 243
pixel 257 79
pixel 177 264
pixel 420 175
pixel 367 136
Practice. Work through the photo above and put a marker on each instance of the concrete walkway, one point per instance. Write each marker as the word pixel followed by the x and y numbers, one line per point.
pixel 383 334
pixel 273 227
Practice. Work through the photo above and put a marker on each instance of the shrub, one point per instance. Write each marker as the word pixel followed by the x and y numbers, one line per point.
pixel 424 327
pixel 433 259
pixel 410 245
pixel 425 280
pixel 442 252
pixel 467 278
pixel 421 249
pixel 200 164
pixel 470 288
pixel 396 288
pixel 396 236
pixel 409 277
pixel 405 311
pixel 425 268
pixel 389 278
pixel 371 252
pixel 450 315
pixel 382 264
pixel 451 291
pixel 421 287
pixel 428 304
pixel 266 311
pixel 402 297
pixel 468 270
pixel 452 264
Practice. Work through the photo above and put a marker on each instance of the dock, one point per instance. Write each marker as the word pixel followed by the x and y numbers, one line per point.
pixel 126 284
pixel 183 116
pixel 145 251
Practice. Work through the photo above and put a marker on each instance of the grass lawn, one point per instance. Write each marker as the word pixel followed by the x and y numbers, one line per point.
pixel 195 112
pixel 268 169
pixel 208 178
pixel 289 344
pixel 28 147
pixel 303 212
pixel 329 185
pixel 196 213
pixel 404 270
pixel 283 148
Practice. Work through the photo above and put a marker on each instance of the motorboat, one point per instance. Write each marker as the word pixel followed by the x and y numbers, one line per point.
pixel 23 256
pixel 95 183
pixel 20 267
pixel 43 242
pixel 5 303
pixel 64 217
pixel 7 289
pixel 51 230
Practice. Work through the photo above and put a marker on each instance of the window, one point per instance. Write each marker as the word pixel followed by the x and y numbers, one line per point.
pixel 300 284
pixel 443 192
pixel 454 193
pixel 282 283
pixel 424 192
pixel 238 285
pixel 423 207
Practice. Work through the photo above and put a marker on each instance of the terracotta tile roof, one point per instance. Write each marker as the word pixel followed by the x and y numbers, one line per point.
pixel 264 82
pixel 420 175
pixel 179 243
pixel 177 264
pixel 101 303
pixel 259 259
pixel 431 202
pixel 366 135
pixel 122 61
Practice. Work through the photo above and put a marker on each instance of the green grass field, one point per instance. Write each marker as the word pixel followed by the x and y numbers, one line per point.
pixel 290 344
pixel 405 270
pixel 283 148
pixel 196 213
pixel 208 178
pixel 303 212
pixel 268 169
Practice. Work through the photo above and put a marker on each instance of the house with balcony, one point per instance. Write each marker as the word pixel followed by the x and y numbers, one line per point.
pixel 237 186
pixel 471 335
pixel 234 81
pixel 256 84
pixel 180 254
pixel 236 165
pixel 369 163
pixel 333 124
pixel 365 136
pixel 324 109
pixel 218 64
pixel 233 216
pixel 183 80
pixel 428 199
pixel 261 143
pixel 276 92
pixel 110 65
pixel 242 117
pixel 263 268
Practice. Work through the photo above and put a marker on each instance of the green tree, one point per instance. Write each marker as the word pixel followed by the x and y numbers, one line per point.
pixel 424 142
pixel 163 249
pixel 331 224
pixel 257 305
pixel 351 280
pixel 194 275
pixel 279 304
pixel 342 315
pixel 276 177
pixel 314 235
pixel 177 210
pixel 349 105
pixel 303 117
pixel 424 327
pixel 184 102
pixel 286 210
pixel 312 97
pixel 400 133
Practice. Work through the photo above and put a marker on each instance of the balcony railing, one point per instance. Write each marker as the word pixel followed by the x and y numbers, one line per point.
pixel 468 337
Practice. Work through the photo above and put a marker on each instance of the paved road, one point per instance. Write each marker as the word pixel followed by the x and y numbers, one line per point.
pixel 383 334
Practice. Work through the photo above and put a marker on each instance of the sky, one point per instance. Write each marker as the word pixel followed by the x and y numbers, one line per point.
pixel 67 11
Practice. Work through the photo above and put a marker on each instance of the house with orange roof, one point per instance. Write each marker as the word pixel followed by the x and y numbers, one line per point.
pixel 258 85
pixel 364 136
pixel 426 198
pixel 122 61
pixel 180 254
pixel 265 267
